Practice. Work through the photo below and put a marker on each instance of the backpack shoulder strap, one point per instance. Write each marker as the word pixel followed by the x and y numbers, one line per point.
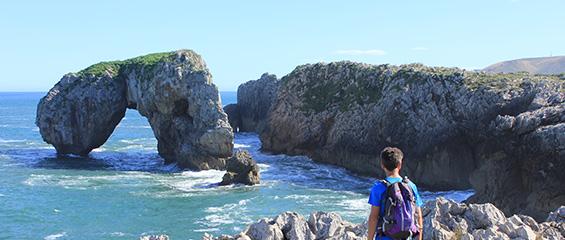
pixel 385 182
pixel 406 179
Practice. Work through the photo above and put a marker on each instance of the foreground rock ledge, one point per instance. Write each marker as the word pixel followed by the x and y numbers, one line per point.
pixel 173 90
pixel 443 220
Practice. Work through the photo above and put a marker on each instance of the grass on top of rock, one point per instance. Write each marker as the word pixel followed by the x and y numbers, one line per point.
pixel 144 63
pixel 344 84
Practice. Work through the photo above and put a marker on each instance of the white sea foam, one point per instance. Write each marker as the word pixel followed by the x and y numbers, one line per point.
pixel 100 149
pixel 118 234
pixel 206 230
pixel 86 182
pixel 12 140
pixel 238 145
pixel 55 236
pixel 354 204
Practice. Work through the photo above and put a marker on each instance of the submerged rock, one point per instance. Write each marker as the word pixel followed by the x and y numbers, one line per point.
pixel 241 168
pixel 173 90
pixel 443 220
pixel 458 129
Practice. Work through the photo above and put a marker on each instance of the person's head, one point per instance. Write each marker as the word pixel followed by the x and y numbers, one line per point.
pixel 391 159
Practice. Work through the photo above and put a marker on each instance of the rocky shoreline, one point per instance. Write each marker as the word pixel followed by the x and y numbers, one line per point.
pixel 500 134
pixel 443 220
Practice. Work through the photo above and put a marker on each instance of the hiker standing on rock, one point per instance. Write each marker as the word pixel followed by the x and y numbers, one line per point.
pixel 395 202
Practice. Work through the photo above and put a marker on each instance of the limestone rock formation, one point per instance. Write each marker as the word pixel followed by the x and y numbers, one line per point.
pixel 173 90
pixel 232 110
pixel 254 99
pixel 443 220
pixel 458 129
pixel 241 168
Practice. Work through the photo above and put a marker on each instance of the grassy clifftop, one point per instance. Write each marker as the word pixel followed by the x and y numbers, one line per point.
pixel 143 65
pixel 114 67
pixel 342 84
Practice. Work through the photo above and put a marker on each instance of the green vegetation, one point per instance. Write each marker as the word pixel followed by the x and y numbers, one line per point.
pixel 141 64
pixel 503 81
pixel 361 85
pixel 341 85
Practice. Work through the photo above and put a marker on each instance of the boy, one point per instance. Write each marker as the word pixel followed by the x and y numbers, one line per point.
pixel 391 162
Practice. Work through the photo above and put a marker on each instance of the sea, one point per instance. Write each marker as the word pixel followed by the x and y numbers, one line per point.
pixel 124 190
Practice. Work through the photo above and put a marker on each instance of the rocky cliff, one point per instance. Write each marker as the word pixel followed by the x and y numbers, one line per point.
pixel 254 99
pixel 501 134
pixel 443 220
pixel 173 90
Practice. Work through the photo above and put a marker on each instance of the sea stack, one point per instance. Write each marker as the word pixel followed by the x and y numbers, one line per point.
pixel 173 90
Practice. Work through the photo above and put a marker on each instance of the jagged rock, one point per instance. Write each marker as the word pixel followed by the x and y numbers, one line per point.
pixel 254 99
pixel 241 168
pixel 483 215
pixel 154 237
pixel 557 216
pixel 325 225
pixel 264 229
pixel 458 129
pixel 443 220
pixel 232 110
pixel 173 90
pixel 294 226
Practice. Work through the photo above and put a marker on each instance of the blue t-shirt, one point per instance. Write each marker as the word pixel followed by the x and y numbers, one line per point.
pixel 379 188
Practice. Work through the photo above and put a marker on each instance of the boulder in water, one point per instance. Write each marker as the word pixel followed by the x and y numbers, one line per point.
pixel 241 168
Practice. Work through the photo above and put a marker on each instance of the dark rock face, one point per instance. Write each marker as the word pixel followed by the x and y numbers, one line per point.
pixel 501 134
pixel 232 110
pixel 254 99
pixel 173 90
pixel 443 220
pixel 241 168
pixel 80 113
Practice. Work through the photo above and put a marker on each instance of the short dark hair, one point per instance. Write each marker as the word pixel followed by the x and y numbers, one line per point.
pixel 391 158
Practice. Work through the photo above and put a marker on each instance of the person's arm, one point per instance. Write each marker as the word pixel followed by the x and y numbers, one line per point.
pixel 373 219
pixel 420 223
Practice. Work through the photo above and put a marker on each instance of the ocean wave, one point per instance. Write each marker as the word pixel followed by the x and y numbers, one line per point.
pixel 206 230
pixel 55 236
pixel 227 214
pixel 87 182
pixel 237 145
pixel 12 140
pixel 136 140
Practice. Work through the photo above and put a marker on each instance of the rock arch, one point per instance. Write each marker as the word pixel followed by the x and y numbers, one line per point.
pixel 173 90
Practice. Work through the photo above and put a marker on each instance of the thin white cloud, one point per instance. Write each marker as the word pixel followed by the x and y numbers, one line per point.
pixel 420 49
pixel 358 52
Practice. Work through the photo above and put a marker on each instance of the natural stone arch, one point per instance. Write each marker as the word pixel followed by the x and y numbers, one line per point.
pixel 173 90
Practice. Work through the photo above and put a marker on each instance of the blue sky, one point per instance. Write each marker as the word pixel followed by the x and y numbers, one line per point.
pixel 42 40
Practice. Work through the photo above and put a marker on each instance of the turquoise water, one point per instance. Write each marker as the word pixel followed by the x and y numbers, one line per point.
pixel 124 190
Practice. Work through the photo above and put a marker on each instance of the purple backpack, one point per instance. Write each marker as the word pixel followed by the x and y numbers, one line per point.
pixel 399 218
